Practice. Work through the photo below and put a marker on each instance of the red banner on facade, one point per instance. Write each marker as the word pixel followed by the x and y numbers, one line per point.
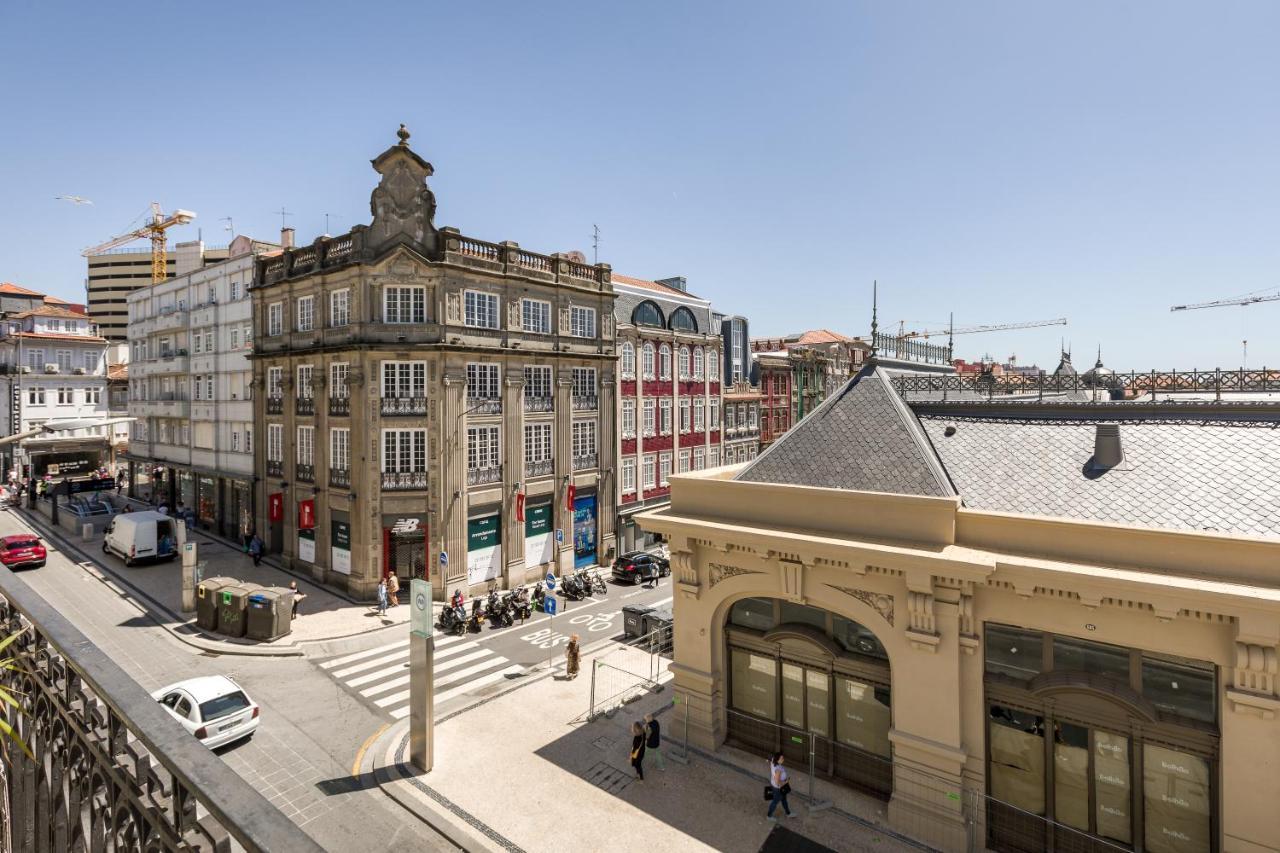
pixel 275 507
pixel 519 506
pixel 307 515
pixel 568 500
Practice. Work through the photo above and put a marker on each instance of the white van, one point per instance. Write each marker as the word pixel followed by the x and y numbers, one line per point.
pixel 138 536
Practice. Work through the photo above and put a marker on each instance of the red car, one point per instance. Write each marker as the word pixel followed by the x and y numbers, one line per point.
pixel 22 551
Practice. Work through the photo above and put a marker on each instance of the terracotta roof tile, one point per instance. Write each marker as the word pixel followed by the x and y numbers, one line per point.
pixel 651 285
pixel 10 287
pixel 823 336
pixel 117 372
pixel 89 339
pixel 50 311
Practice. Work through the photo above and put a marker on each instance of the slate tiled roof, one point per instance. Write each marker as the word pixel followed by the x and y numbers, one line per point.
pixel 862 438
pixel 632 291
pixel 1214 476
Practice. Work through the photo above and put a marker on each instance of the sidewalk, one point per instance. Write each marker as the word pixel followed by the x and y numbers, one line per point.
pixel 323 616
pixel 547 783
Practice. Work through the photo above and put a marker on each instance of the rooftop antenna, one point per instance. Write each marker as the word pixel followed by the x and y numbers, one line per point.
pixel 230 226
pixel 595 244
pixel 874 312
pixel 283 213
pixel 326 221
pixel 951 334
pixel 1244 356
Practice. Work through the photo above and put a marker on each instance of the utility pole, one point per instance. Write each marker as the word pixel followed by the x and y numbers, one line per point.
pixel 595 244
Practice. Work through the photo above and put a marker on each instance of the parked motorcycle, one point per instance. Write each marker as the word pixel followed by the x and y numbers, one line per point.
pixel 572 587
pixel 497 611
pixel 597 583
pixel 518 605
pixel 453 620
pixel 473 623
pixel 539 596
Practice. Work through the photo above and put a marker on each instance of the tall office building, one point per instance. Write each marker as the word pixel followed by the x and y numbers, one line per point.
pixel 116 273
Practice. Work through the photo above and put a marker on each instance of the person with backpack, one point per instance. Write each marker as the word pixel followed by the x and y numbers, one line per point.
pixel 653 742
pixel 779 787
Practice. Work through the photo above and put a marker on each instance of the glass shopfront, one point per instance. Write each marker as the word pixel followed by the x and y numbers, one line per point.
pixel 1097 747
pixel 797 672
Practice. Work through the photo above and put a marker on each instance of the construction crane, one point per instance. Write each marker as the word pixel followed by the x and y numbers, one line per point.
pixel 1257 296
pixel 154 231
pixel 997 327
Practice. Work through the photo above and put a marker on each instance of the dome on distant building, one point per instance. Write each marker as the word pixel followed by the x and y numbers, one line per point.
pixel 1099 374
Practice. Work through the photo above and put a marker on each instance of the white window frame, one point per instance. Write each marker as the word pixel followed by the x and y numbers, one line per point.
pixel 484 447
pixel 627 360
pixel 339 379
pixel 275 319
pixel 682 364
pixel 306 313
pixel 699 459
pixel 650 466
pixel 538 381
pixel 403 304
pixel 404 380
pixel 340 448
pixel 754 417
pixel 729 420
pixel 275 442
pixel 584 382
pixel 697 363
pixel 713 366
pixel 713 419
pixel 628 418
pixel 686 421
pixel 629 476
pixel 483 377
pixel 66 397
pixel 582 322
pixel 713 457
pixel 664 468
pixel 275 381
pixel 664 362
pixel 584 437
pixel 649 417
pixel 340 308
pixel 306 445
pixel 647 365
pixel 538 442
pixel 698 422
pixel 664 425
pixel 306 381
pixel 535 316
pixel 682 465
pixel 93 396
pixel 481 309
pixel 404 451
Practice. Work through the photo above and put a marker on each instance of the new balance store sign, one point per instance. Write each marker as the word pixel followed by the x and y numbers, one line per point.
pixel 484 549
pixel 539 539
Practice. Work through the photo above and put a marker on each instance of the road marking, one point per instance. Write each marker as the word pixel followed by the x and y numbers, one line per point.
pixel 355 765
pixel 401 713
pixel 367 653
pixel 377 674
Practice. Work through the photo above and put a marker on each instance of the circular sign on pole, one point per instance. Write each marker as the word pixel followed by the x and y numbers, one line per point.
pixel 551 581
pixel 444 558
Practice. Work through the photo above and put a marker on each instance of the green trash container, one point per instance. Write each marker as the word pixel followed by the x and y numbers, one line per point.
pixel 233 603
pixel 270 613
pixel 207 601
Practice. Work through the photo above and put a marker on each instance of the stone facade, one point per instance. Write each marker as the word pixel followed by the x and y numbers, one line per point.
pixel 418 391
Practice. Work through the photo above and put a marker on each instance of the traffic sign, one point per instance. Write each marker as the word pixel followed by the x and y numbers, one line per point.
pixel 559 535
pixel 551 581
pixel 549 606
pixel 444 559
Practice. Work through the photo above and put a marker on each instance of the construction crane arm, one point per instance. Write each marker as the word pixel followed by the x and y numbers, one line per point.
pixel 1219 303
pixel 139 234
pixel 996 327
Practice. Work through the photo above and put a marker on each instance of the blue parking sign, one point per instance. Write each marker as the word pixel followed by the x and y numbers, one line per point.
pixel 549 606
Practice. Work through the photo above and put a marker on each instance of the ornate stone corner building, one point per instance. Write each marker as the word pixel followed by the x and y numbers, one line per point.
pixel 1025 626
pixel 430 404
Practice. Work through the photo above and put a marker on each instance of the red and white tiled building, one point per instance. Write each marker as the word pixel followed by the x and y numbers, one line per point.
pixel 670 399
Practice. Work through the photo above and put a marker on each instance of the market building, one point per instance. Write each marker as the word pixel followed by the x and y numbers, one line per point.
pixel 669 393
pixel 1030 621
pixel 430 404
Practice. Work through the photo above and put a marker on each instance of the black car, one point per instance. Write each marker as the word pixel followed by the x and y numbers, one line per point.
pixel 635 567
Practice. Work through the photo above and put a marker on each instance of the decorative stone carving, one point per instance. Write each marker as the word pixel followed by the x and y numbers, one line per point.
pixel 453 307
pixel 877 601
pixel 920 612
pixel 1253 687
pixel 718 572
pixel 403 206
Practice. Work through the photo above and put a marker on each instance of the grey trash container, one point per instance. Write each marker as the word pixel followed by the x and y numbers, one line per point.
pixel 270 612
pixel 207 601
pixel 233 603
pixel 633 620
pixel 660 619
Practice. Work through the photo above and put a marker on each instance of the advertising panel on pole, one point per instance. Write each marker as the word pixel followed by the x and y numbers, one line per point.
pixel 484 549
pixel 538 545
pixel 340 548
pixel 584 531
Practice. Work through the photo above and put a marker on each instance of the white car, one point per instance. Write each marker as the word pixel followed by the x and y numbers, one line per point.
pixel 212 707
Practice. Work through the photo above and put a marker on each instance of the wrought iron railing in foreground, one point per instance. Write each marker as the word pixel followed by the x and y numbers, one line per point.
pixel 113 771
pixel 1159 384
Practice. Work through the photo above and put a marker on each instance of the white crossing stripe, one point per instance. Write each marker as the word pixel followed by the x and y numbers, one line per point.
pixel 401 713
pixel 441 642
pixel 396 658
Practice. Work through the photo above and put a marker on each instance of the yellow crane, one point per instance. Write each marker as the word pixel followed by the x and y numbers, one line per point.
pixel 153 231
pixel 969 330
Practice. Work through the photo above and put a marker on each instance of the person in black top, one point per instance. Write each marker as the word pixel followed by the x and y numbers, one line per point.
pixel 637 749
pixel 653 742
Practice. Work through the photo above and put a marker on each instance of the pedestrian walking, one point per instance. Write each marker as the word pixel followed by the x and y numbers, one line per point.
pixel 571 657
pixel 653 740
pixel 393 589
pixel 637 749
pixel 297 597
pixel 382 597
pixel 255 549
pixel 779 786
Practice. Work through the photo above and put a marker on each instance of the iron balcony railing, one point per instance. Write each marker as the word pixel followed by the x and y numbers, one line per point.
pixel 306 406
pixel 404 405
pixel 1159 384
pixel 275 405
pixel 483 476
pixel 340 478
pixel 340 406
pixel 484 405
pixel 115 768
pixel 539 468
pixel 539 404
pixel 275 468
pixel 583 462
pixel 403 480
pixel 585 402
pixel 306 473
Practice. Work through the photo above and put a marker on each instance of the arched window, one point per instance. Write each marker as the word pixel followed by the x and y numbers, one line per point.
pixel 647 361
pixel 684 362
pixel 628 360
pixel 682 319
pixel 697 362
pixel 664 362
pixel 713 365
pixel 647 313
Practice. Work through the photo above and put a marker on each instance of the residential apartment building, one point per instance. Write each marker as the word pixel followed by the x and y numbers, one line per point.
pixel 741 417
pixel 190 389
pixel 116 273
pixel 771 373
pixel 669 393
pixel 430 404
pixel 54 365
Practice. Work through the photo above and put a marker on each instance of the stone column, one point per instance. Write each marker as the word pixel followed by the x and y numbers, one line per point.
pixel 513 474
pixel 451 461
pixel 564 466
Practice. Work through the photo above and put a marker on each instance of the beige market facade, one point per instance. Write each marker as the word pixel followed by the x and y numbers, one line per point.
pixel 1089 686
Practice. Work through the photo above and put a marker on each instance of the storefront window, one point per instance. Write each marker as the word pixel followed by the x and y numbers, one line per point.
pixel 754 684
pixel 854 637
pixel 1096 658
pixel 793 695
pixel 1017 759
pixel 1013 652
pixel 1112 786
pixel 754 613
pixel 818 702
pixel 1181 688
pixel 799 614
pixel 862 716
pixel 1176 798
pixel 1071 775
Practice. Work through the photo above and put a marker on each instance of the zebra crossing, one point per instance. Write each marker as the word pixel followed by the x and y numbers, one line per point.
pixel 380 676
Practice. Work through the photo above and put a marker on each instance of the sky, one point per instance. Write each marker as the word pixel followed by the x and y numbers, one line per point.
pixel 999 161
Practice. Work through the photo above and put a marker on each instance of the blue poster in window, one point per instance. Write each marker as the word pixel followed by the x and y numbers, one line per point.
pixel 584 531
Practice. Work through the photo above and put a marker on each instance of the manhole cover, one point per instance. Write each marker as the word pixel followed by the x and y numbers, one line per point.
pixel 605 743
pixel 608 778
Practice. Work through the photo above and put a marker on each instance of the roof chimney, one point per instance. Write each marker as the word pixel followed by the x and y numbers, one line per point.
pixel 286 237
pixel 1107 451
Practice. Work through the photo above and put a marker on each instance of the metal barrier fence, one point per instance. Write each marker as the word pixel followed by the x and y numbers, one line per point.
pixel 612 687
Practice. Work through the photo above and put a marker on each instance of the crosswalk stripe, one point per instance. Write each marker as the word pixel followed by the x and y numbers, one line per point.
pixel 402 680
pixel 377 674
pixel 441 642
pixel 459 677
pixel 385 686
pixel 400 655
pixel 401 713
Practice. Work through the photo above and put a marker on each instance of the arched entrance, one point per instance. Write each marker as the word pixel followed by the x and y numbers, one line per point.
pixel 801 676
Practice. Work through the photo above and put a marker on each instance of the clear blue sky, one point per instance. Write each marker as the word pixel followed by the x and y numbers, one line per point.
pixel 1005 161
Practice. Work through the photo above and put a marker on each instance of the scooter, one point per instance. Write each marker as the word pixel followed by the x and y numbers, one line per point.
pixel 473 623
pixel 496 611
pixel 597 583
pixel 539 596
pixel 518 604
pixel 453 620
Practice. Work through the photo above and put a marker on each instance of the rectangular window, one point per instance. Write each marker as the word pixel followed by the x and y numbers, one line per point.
pixel 404 451
pixel 306 445
pixel 699 458
pixel 275 377
pixel 275 442
pixel 1085 656
pixel 199 389
pixel 248 439
pixel 482 447
pixel 650 420
pixel 715 414
pixel 35 359
pixel 628 476
pixel 93 396
pixel 305 372
pixel 537 382
pixel 63 357
pixel 339 308
pixel 752 415
pixel 235 339
pixel 628 418
pixel 275 319
pixel 537 442
pixel 682 464
pixel 664 468
pixel 1178 800
pixel 666 415
pixel 404 304
pixel 697 414
pixel 650 471
pixel 339 373
pixel 404 379
pixel 1180 687
pixel 482 381
pixel 862 716
pixel 1013 652
pixel 235 440
pixel 535 316
pixel 248 336
pixel 65 397
pixel 582 322
pixel 584 382
pixel 235 290
pixel 481 310
pixel 306 313
pixel 584 439
pixel 685 421
pixel 340 449
pixel 713 457
pixel 755 684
